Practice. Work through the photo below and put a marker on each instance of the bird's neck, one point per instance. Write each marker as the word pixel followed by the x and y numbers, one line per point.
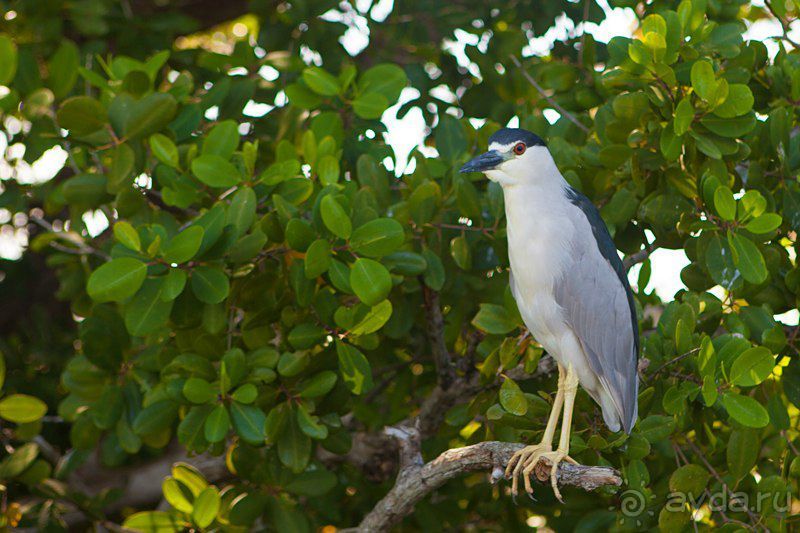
pixel 537 197
pixel 538 224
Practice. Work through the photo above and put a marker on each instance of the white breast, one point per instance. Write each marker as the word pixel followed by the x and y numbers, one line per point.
pixel 539 229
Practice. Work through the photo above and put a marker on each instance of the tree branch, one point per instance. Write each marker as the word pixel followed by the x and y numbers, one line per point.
pixel 375 454
pixel 416 480
pixel 445 371
pixel 638 257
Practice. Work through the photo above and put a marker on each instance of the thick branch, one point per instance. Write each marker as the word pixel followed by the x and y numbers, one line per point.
pixel 376 453
pixel 441 356
pixel 415 480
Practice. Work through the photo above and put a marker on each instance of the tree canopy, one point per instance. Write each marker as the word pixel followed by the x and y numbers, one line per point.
pixel 275 286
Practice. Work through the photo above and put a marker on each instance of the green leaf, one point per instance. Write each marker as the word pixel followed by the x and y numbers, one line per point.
pixel 108 408
pixel 206 507
pixel 318 258
pixel 294 446
pixel 752 367
pixel 434 276
pixel 370 281
pixel 334 217
pixel 173 284
pixel 127 235
pixel 153 522
pixel 378 237
pixel 246 508
pixel 248 422
pixel 242 211
pixel 116 280
pixel 310 424
pixel 450 138
pixel 149 115
pixel 327 168
pixel 703 79
pixel 706 146
pixel 319 385
pixel 62 67
pixel 8 59
pixel 494 319
pixel 655 428
pixel 183 246
pixel 82 115
pixel 385 79
pixel 198 390
pixel 190 477
pixel 689 479
pixel 730 127
pixel 22 409
pixel 766 223
pixel 155 417
pixel 742 452
pixel 19 460
pixel 749 260
pixel 215 171
pixel 745 410
pixel 724 203
pixel 191 430
pixel 175 496
pixel 374 320
pixel 512 399
pixel 305 336
pixel 245 394
pixel 210 284
pixel 217 424
pixel 222 140
pixel 354 368
pixel 739 101
pixel 164 149
pixel 684 115
pixel 461 253
pixel 321 82
pixel 370 105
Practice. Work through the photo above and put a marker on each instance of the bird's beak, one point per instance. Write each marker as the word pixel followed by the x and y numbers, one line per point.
pixel 484 162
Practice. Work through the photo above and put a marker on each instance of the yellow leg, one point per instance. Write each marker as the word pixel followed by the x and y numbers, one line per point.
pixel 562 453
pixel 530 455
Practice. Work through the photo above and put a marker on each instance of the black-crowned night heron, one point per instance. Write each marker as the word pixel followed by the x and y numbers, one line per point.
pixel 571 290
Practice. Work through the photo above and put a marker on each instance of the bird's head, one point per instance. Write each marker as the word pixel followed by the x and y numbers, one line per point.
pixel 513 157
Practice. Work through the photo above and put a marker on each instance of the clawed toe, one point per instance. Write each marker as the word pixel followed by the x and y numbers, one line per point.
pixel 523 464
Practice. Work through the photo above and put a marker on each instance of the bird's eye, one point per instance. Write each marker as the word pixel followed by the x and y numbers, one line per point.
pixel 519 148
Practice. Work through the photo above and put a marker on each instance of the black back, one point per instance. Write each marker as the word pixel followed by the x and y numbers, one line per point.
pixel 510 135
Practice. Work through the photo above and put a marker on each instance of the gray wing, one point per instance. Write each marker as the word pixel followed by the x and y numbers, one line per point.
pixel 598 302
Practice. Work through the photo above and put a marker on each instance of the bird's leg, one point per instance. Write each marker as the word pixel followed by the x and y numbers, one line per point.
pixel 530 455
pixel 562 453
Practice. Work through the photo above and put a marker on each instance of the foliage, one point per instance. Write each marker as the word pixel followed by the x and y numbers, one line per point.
pixel 258 293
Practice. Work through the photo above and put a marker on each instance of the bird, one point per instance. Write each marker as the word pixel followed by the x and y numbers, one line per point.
pixel 571 289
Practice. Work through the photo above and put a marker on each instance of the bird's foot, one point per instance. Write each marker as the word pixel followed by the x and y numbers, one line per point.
pixel 554 458
pixel 519 462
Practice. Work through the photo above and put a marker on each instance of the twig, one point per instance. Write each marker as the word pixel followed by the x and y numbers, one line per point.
pixel 674 360
pixel 416 480
pixel 638 257
pixel 699 453
pixel 550 100
pixel 784 25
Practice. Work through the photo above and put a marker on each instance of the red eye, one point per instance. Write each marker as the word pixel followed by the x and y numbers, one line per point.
pixel 519 148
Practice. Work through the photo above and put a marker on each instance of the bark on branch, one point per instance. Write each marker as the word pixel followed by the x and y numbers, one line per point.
pixel 445 372
pixel 416 480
